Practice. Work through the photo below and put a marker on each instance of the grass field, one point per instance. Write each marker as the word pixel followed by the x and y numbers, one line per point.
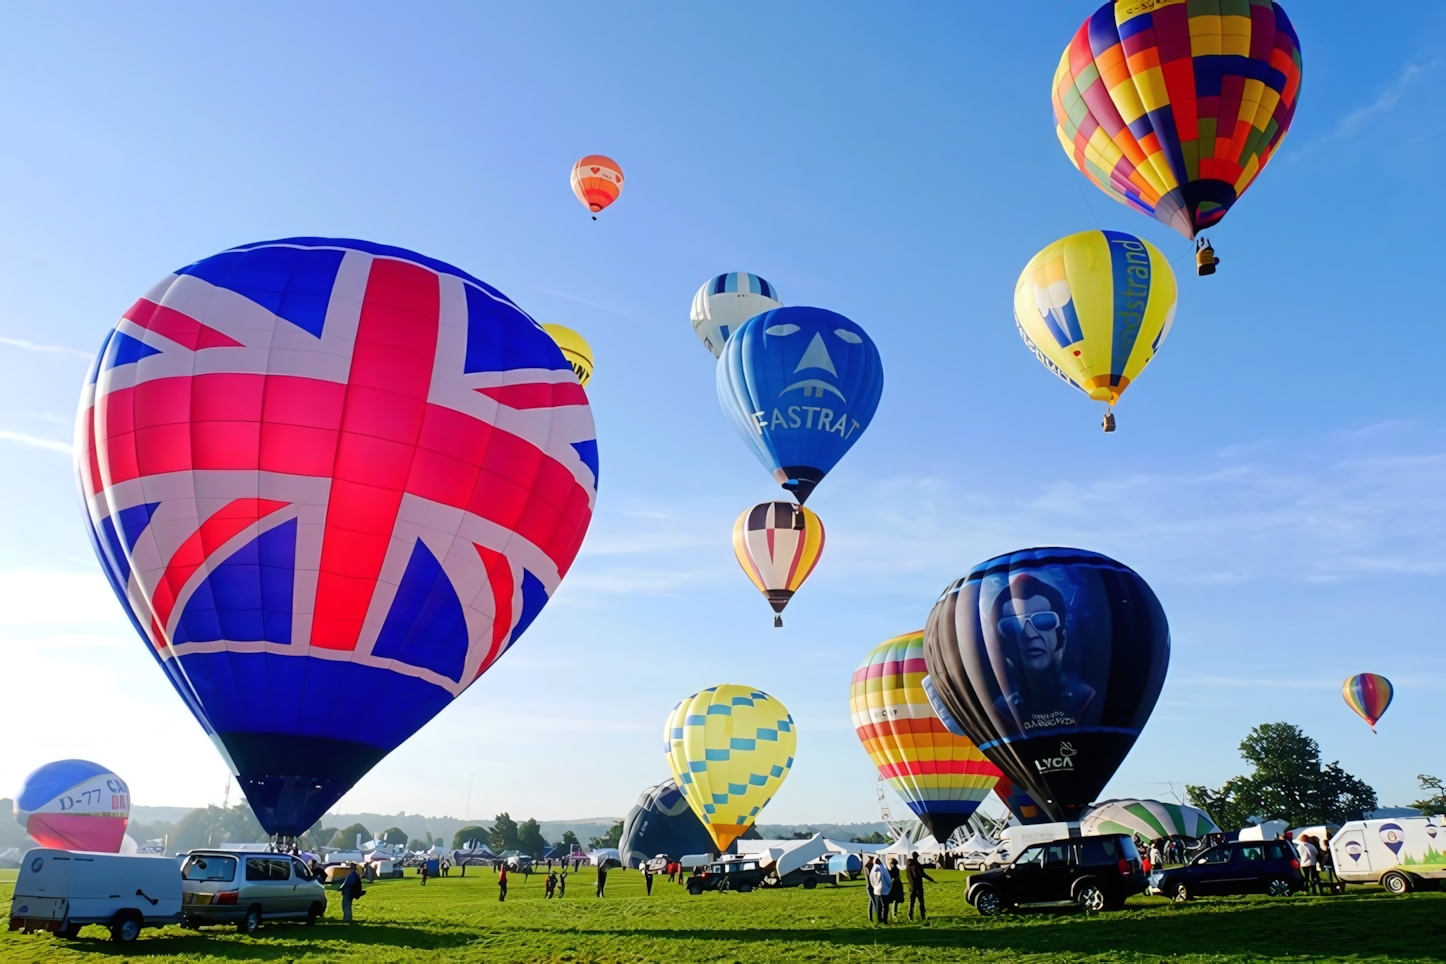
pixel 460 920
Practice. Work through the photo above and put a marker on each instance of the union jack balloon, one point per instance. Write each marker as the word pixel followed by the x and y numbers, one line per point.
pixel 323 475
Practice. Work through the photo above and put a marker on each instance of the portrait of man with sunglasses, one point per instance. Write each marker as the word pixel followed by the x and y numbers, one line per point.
pixel 1029 623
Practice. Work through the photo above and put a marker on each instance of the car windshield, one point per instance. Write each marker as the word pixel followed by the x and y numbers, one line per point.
pixel 1034 855
pixel 209 867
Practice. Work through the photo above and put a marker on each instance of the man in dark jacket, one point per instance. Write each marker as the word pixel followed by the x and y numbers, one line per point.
pixel 351 889
pixel 915 873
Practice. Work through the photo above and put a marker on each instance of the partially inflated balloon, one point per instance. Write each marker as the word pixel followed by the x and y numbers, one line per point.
pixel 1173 107
pixel 942 777
pixel 1094 308
pixel 778 544
pixel 661 822
pixel 726 302
pixel 74 805
pixel 800 385
pixel 1369 695
pixel 1051 660
pixel 730 748
pixel 597 181
pixel 575 349
pixel 331 482
pixel 1150 819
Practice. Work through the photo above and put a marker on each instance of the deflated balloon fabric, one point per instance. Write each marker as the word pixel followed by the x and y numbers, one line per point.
pixel 331 482
pixel 801 386
pixel 1051 660
pixel 1174 107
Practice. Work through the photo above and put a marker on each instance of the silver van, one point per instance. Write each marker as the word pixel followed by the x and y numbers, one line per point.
pixel 244 888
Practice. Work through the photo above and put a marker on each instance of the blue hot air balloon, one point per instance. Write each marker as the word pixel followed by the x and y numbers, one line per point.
pixel 661 822
pixel 800 385
pixel 1051 660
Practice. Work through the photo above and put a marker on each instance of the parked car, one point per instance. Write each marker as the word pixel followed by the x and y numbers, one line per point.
pixel 741 875
pixel 1402 854
pixel 1097 873
pixel 63 890
pixel 235 887
pixel 1242 867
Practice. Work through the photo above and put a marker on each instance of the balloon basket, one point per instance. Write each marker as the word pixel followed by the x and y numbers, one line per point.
pixel 1205 260
pixel 777 622
pixel 1109 422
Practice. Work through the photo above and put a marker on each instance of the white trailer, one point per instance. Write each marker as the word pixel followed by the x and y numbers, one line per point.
pixel 63 890
pixel 1401 854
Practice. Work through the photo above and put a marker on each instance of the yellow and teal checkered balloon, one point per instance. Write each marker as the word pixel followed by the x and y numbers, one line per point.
pixel 730 748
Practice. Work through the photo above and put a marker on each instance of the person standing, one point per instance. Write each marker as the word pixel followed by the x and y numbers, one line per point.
pixel 869 886
pixel 880 883
pixel 351 889
pixel 602 879
pixel 422 872
pixel 550 886
pixel 896 888
pixel 648 880
pixel 915 873
pixel 1308 855
pixel 502 883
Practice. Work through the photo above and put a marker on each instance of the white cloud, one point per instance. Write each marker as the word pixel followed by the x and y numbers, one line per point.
pixel 60 599
pixel 45 349
pixel 35 441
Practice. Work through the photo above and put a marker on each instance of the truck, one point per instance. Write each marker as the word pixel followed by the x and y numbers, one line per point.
pixel 63 890
pixel 1401 854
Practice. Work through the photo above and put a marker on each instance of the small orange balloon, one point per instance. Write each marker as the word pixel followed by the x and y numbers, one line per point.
pixel 597 181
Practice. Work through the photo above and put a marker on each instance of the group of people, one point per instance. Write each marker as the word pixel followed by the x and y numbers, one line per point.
pixel 1316 865
pixel 1160 851
pixel 886 889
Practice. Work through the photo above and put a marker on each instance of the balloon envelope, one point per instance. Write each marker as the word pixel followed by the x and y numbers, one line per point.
pixel 1151 819
pixel 1369 695
pixel 942 777
pixel 1019 803
pixel 1174 107
pixel 331 482
pixel 1051 660
pixel 778 544
pixel 1094 308
pixel 575 349
pixel 730 748
pixel 661 822
pixel 726 302
pixel 801 386
pixel 74 805
pixel 597 181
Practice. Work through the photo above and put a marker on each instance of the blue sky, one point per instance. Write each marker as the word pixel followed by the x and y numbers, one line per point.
pixel 1279 475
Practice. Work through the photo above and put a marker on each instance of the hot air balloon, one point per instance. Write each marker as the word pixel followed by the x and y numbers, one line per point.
pixel 324 466
pixel 661 822
pixel 575 349
pixel 74 805
pixel 1094 308
pixel 778 544
pixel 942 777
pixel 1173 108
pixel 597 181
pixel 800 385
pixel 1025 810
pixel 1369 695
pixel 1150 819
pixel 730 748
pixel 727 301
pixel 1051 660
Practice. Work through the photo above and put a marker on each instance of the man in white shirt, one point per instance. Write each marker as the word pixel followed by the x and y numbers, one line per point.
pixel 1308 854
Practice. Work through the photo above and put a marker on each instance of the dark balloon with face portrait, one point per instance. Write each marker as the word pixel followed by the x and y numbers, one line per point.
pixel 1051 660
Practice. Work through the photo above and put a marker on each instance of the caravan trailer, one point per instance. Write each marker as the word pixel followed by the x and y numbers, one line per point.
pixel 1402 854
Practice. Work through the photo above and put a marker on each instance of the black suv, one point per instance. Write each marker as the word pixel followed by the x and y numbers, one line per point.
pixel 741 875
pixel 1098 873
pixel 1245 867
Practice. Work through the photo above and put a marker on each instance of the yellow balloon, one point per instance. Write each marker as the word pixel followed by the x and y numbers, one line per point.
pixel 1094 308
pixel 575 349
pixel 730 748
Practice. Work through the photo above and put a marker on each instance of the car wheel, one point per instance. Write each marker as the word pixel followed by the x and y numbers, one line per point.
pixel 810 884
pixel 1180 894
pixel 1278 887
pixel 694 889
pixel 125 927
pixel 313 912
pixel 988 902
pixel 745 888
pixel 1396 883
pixel 1091 898
pixel 70 931
pixel 251 923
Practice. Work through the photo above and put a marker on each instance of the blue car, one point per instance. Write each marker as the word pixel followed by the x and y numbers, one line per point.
pixel 1242 867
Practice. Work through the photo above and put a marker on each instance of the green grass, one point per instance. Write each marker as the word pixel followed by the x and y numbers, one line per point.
pixel 460 920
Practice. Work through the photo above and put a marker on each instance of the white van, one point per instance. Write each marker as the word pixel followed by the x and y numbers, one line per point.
pixel 62 890
pixel 1014 839
pixel 1401 854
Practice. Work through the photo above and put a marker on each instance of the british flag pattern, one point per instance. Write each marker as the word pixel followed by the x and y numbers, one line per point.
pixel 319 472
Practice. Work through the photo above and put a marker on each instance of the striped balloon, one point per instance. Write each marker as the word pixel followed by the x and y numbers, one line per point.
pixel 942 777
pixel 1369 695
pixel 597 181
pixel 778 544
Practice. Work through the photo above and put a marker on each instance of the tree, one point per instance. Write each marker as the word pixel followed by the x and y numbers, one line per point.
pixel 317 837
pixel 473 834
pixel 1288 782
pixel 569 842
pixel 1435 803
pixel 214 826
pixel 504 833
pixel 752 833
pixel 529 838
pixel 393 836
pixel 345 838
pixel 874 837
pixel 612 838
pixel 421 843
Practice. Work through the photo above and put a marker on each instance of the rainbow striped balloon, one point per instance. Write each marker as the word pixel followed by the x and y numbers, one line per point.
pixel 1369 695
